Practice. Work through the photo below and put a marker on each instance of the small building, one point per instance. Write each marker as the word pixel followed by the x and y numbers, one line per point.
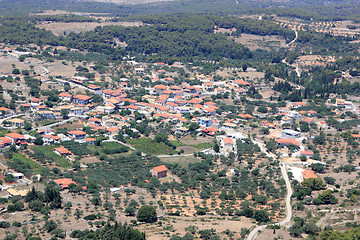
pixel 287 142
pixel 65 97
pixel 46 114
pixel 308 174
pixel 90 141
pixel 64 182
pixel 204 122
pixel 77 134
pixel 16 137
pixel 17 176
pixel 81 99
pixel 17 122
pixel 308 153
pixel 62 151
pixel 139 71
pixel 288 133
pixel 80 80
pixel 21 193
pixel 159 171
pixel 228 144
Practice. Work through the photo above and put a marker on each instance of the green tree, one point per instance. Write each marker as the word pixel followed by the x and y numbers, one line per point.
pixel 147 214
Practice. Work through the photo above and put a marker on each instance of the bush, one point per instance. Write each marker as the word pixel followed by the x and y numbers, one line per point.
pixel 90 217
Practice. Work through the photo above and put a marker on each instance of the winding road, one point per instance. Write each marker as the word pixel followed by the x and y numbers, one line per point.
pixel 253 234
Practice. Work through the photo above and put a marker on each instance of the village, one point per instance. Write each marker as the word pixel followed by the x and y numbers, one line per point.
pixel 149 111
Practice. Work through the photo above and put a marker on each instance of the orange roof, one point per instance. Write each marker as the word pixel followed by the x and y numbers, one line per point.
pixel 94 120
pixel 14 135
pixel 288 141
pixel 113 129
pixel 245 116
pixel 242 82
pixel 355 135
pixel 90 139
pixel 77 132
pixel 64 182
pixel 163 87
pixel 62 150
pixel 161 168
pixel 64 94
pixel 309 152
pixel 208 84
pixel 307 174
pixel 93 86
pixel 228 140
pixel 35 100
pixel 82 97
pixel 133 107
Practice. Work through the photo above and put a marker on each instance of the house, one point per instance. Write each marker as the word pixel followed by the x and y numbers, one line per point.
pixel 64 182
pixel 35 101
pixel 46 114
pixel 80 80
pixel 139 71
pixel 113 131
pixel 17 122
pixel 21 193
pixel 210 131
pixel 17 176
pixel 242 82
pixel 286 120
pixel 287 142
pixel 65 97
pixel 159 89
pixel 204 122
pixel 294 115
pixel 50 139
pixel 208 86
pixel 26 106
pixel 95 88
pixel 308 153
pixel 5 141
pixel 15 137
pixel 62 151
pixel 228 144
pixel 95 121
pixel 77 134
pixel 81 99
pixel 308 174
pixel 6 112
pixel 159 171
pixel 90 141
pixel 76 111
pixel 288 133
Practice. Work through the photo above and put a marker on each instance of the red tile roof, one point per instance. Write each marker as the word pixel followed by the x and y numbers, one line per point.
pixel 161 168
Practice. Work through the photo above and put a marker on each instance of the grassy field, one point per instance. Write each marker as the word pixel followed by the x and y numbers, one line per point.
pixel 181 160
pixel 27 161
pixel 202 146
pixel 147 145
pixel 199 146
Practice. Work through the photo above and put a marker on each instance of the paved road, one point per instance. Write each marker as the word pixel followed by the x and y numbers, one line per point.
pixel 253 234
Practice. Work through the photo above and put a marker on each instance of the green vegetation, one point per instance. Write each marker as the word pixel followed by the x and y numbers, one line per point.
pixel 45 154
pixel 116 231
pixel 23 164
pixel 147 145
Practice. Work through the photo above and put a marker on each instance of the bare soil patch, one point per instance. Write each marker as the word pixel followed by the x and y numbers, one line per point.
pixel 254 42
pixel 59 28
